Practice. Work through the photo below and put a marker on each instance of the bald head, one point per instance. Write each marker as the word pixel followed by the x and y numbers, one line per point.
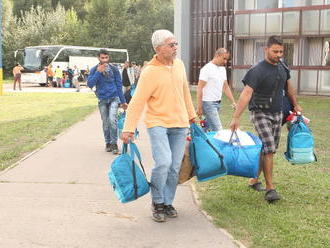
pixel 221 56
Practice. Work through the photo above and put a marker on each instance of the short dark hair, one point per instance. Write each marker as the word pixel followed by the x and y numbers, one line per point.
pixel 274 40
pixel 102 51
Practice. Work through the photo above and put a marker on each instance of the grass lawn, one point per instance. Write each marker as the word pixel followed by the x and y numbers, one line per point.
pixel 8 81
pixel 302 217
pixel 28 120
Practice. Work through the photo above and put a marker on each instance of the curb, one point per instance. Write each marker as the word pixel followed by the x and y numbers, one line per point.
pixel 210 218
pixel 42 146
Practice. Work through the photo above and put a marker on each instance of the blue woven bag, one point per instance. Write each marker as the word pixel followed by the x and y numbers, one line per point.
pixel 126 177
pixel 205 157
pixel 241 160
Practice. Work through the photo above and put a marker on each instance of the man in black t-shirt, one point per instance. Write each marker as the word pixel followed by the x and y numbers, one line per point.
pixel 264 87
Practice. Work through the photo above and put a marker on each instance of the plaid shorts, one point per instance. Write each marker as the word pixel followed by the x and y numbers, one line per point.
pixel 268 127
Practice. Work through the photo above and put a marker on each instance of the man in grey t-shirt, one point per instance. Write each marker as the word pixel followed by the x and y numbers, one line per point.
pixel 263 91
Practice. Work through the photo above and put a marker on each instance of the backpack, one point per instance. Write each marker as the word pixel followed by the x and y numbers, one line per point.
pixel 300 143
pixel 126 177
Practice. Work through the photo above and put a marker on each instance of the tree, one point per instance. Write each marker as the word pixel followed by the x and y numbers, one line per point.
pixel 78 6
pixel 39 27
pixel 144 17
pixel 21 6
pixel 104 21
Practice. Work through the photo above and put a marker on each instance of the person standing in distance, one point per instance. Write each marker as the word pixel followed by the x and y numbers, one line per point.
pixel 212 82
pixel 109 92
pixel 263 92
pixel 163 86
pixel 17 72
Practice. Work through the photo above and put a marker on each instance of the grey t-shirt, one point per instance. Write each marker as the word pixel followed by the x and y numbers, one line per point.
pixel 262 78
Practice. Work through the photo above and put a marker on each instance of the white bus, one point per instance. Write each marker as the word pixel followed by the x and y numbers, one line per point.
pixel 34 59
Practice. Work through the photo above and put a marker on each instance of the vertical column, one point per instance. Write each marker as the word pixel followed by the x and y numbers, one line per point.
pixel 182 31
pixel 1 79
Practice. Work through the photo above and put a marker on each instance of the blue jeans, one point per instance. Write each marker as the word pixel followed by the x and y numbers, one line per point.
pixel 211 112
pixel 109 110
pixel 168 145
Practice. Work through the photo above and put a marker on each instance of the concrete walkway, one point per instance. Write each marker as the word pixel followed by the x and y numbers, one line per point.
pixel 60 197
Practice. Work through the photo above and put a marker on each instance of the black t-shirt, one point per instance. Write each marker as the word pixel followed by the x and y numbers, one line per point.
pixel 262 78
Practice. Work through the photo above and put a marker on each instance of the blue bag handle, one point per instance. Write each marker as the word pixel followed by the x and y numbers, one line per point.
pixel 134 151
pixel 231 140
pixel 196 131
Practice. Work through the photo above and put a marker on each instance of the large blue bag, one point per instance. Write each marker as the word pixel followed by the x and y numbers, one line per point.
pixel 241 160
pixel 127 179
pixel 205 157
pixel 300 143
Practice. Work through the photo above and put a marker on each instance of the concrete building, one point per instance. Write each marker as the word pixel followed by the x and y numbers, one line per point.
pixel 242 26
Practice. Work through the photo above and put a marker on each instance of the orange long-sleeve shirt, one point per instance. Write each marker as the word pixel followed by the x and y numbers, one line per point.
pixel 166 92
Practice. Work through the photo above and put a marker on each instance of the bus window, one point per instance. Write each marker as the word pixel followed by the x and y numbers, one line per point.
pixel 48 54
pixel 32 58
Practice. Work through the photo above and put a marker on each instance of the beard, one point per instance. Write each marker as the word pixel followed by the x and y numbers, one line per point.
pixel 274 60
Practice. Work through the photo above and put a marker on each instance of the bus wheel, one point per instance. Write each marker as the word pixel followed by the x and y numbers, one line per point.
pixel 42 84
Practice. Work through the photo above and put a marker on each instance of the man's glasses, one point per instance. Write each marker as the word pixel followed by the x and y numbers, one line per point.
pixel 173 44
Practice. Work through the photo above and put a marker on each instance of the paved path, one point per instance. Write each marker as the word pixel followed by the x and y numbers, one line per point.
pixel 60 197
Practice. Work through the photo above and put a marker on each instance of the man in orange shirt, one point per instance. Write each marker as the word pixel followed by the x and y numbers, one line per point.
pixel 163 86
pixel 50 76
pixel 17 76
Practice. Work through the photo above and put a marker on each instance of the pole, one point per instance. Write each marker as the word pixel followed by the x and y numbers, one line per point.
pixel 1 78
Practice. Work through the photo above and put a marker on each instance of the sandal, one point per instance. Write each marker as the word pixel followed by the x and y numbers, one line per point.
pixel 257 186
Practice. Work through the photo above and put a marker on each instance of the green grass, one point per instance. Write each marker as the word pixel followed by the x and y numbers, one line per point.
pixel 8 81
pixel 31 119
pixel 302 218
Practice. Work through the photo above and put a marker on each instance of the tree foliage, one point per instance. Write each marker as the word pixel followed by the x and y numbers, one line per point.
pixel 100 23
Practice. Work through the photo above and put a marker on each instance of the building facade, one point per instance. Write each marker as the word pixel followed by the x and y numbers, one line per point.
pixel 242 26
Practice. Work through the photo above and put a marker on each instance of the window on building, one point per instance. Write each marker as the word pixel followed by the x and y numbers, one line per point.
pixel 312 52
pixel 205 5
pixel 325 21
pixel 291 48
pixel 230 4
pixel 324 82
pixel 293 3
pixel 314 2
pixel 291 22
pixel 244 52
pixel 242 24
pixel 220 23
pixel 257 26
pixel 326 52
pixel 215 5
pixel 308 81
pixel 267 4
pixel 259 53
pixel 244 4
pixel 310 22
pixel 274 23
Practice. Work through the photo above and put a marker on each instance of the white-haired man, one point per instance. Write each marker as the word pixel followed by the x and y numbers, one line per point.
pixel 164 88
pixel 212 82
